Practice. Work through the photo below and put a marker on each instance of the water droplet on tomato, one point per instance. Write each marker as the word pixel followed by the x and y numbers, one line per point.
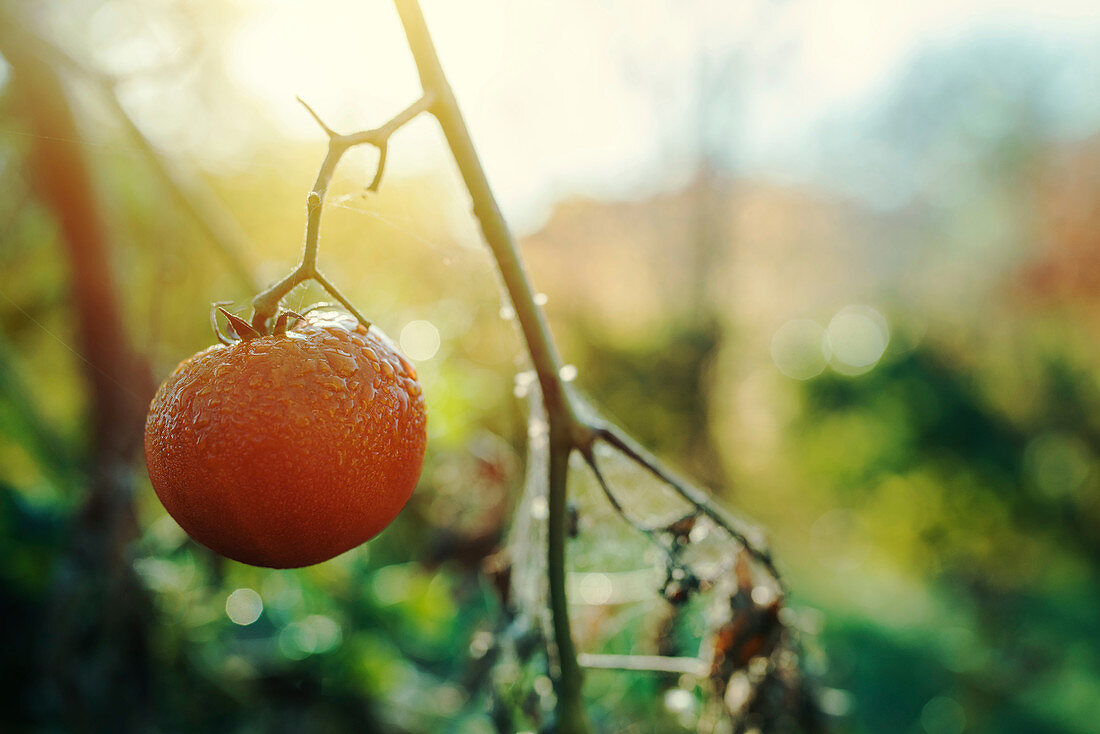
pixel 332 383
pixel 343 363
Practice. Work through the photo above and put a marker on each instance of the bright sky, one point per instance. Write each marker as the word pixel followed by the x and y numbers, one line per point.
pixel 601 97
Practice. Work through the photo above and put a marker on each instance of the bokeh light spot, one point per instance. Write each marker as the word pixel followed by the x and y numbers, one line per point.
pixel 943 715
pixel 595 588
pixel 678 700
pixel 857 338
pixel 543 686
pixel 523 383
pixel 763 595
pixel 798 349
pixel 420 340
pixel 1058 463
pixel 314 634
pixel 244 606
pixel 836 702
pixel 391 583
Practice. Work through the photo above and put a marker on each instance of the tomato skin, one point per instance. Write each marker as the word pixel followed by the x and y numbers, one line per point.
pixel 284 451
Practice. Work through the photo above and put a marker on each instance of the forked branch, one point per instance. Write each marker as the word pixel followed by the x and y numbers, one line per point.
pixel 265 305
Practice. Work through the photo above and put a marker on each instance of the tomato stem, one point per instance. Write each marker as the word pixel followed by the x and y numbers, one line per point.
pixel 266 304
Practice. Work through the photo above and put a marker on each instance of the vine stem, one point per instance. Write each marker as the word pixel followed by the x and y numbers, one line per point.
pixel 563 424
pixel 567 432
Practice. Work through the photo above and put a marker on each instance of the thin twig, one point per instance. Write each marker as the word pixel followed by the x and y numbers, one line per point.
pixel 377 181
pixel 566 431
pixel 328 286
pixel 645 663
pixel 317 118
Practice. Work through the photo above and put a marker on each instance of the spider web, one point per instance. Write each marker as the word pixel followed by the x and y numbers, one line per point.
pixel 684 605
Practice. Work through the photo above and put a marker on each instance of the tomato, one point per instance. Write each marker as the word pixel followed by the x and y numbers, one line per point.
pixel 286 450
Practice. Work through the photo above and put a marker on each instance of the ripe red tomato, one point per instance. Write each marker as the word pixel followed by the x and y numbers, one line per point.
pixel 287 450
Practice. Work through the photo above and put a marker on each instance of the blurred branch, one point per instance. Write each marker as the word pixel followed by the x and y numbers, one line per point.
pixel 120 380
pixel 645 663
pixel 217 224
pixel 221 229
pixel 98 611
pixel 266 304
